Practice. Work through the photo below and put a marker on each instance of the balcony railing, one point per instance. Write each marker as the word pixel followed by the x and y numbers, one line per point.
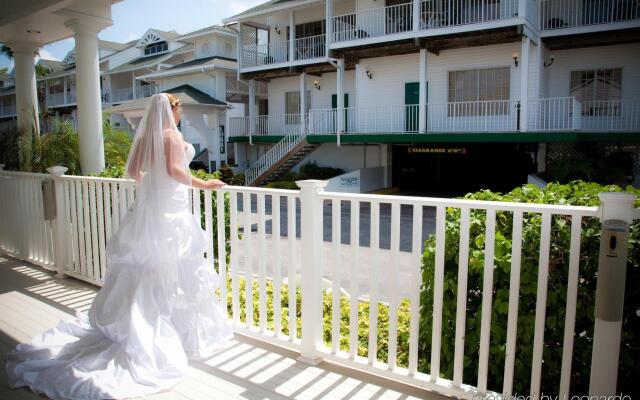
pixel 308 48
pixel 382 272
pixel 7 110
pixel 254 55
pixel 146 90
pixel 123 94
pixel 610 116
pixel 266 125
pixel 486 116
pixel 55 99
pixel 556 114
pixel 448 13
pixel 551 114
pixel 434 14
pixel 558 14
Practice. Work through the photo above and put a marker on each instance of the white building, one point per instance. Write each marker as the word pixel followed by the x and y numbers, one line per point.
pixel 426 94
pixel 200 67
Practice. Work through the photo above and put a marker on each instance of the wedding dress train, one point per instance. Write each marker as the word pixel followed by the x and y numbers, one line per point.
pixel 156 310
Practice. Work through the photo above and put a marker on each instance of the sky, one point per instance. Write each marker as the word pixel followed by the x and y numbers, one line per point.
pixel 132 18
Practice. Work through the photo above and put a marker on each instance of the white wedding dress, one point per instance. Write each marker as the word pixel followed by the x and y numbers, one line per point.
pixel 156 310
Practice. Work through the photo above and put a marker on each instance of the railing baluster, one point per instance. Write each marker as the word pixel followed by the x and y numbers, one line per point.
pixel 292 284
pixel 416 253
pixel 487 294
pixel 438 284
pixel 336 238
pixel 262 277
pixel 570 314
pixel 514 293
pixel 353 278
pixel 541 304
pixel 277 274
pixel 235 258
pixel 393 285
pixel 374 284
pixel 461 305
pixel 248 258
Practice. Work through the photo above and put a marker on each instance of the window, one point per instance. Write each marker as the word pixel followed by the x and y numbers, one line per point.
pixel 156 48
pixel 292 103
pixel 479 85
pixel 598 90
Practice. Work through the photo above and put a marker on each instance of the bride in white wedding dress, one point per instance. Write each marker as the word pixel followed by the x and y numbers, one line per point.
pixel 157 308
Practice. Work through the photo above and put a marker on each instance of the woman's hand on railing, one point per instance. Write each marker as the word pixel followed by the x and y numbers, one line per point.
pixel 213 184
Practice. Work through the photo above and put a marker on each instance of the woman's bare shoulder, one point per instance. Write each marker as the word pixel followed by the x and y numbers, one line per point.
pixel 173 134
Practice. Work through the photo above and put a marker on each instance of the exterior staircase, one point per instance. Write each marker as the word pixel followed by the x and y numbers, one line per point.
pixel 280 159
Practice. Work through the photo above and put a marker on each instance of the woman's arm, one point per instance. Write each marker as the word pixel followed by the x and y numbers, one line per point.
pixel 175 161
pixel 133 169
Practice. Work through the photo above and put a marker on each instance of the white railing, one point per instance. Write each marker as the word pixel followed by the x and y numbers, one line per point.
pixel 235 86
pixel 554 114
pixel 7 110
pixel 55 99
pixel 473 116
pixel 308 48
pixel 259 125
pixel 379 21
pixel 275 154
pixel 122 94
pixel 558 14
pixel 254 55
pixel 367 249
pixel 71 97
pixel 447 13
pixel 614 115
pixel 24 232
pixel 379 119
pixel 146 90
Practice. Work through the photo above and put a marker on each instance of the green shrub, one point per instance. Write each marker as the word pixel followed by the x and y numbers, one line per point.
pixel 575 193
pixel 282 185
pixel 313 171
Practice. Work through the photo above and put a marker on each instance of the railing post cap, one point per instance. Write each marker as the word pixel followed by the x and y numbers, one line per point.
pixel 57 170
pixel 617 205
pixel 316 183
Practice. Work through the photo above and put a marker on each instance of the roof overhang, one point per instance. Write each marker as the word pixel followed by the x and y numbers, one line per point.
pixel 215 30
pixel 187 70
pixel 278 7
pixel 40 22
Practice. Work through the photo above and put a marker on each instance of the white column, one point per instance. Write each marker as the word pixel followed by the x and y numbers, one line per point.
pixel 292 36
pixel 303 101
pixel 64 90
pixel 88 96
pixel 422 102
pixel 311 273
pixel 616 212
pixel 328 25
pixel 252 109
pixel 524 83
pixel 416 15
pixel 340 100
pixel 25 82
pixel 133 83
pixel 221 85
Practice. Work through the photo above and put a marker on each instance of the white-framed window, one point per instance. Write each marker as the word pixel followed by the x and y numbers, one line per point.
pixel 292 102
pixel 155 48
pixel 599 90
pixel 476 87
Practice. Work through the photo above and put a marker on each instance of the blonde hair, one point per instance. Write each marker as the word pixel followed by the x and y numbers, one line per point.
pixel 174 101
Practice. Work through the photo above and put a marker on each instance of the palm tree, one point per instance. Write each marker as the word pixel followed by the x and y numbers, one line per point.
pixel 4 70
pixel 6 51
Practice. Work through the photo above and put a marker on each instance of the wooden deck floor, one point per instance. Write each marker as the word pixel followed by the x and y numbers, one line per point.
pixel 32 300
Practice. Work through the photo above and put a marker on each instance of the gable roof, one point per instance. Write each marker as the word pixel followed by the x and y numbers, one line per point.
pixel 187 94
pixel 156 35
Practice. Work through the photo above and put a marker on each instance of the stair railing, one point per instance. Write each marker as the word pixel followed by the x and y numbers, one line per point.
pixel 277 152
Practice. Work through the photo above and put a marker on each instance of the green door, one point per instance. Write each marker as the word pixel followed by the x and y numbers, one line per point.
pixel 411 100
pixel 334 105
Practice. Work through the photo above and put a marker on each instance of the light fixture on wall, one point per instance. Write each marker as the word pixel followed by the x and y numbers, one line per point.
pixel 277 29
pixel 547 63
pixel 369 74
pixel 515 59
pixel 316 84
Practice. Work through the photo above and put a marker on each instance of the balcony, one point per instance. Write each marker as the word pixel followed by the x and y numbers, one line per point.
pixel 146 91
pixel 434 14
pixel 283 246
pixel 122 94
pixel 554 114
pixel 563 14
pixel 277 52
pixel 7 110
pixel 261 125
